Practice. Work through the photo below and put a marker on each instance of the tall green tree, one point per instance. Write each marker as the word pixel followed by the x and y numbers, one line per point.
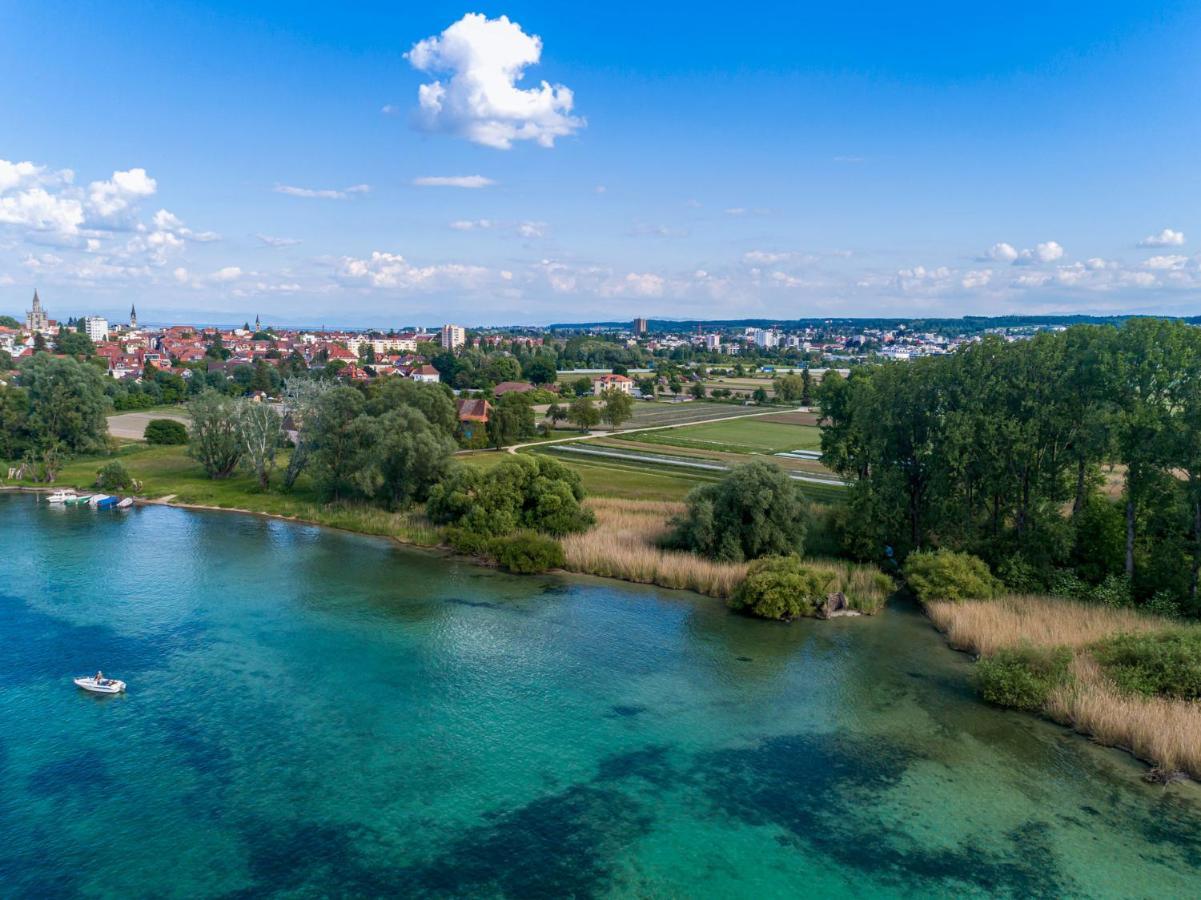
pixel 67 404
pixel 213 438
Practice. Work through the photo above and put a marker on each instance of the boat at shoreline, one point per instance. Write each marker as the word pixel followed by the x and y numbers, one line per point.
pixel 64 496
pixel 78 500
pixel 100 685
pixel 97 499
pixel 126 503
pixel 107 502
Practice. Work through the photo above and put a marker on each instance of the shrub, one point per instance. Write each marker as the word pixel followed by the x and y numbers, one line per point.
pixel 756 510
pixel 946 575
pixel 1022 677
pixel 1166 663
pixel 165 431
pixel 528 552
pixel 1113 591
pixel 113 477
pixel 781 587
pixel 468 542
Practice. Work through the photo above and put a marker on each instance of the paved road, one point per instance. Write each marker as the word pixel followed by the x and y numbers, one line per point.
pixel 132 425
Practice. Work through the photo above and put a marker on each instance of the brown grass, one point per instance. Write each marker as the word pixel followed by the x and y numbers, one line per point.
pixel 622 545
pixel 1160 730
pixel 985 626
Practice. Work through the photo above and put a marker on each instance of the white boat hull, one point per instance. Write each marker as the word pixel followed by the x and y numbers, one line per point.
pixel 108 686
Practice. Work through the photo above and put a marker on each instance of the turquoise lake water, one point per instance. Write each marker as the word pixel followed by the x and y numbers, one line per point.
pixel 316 714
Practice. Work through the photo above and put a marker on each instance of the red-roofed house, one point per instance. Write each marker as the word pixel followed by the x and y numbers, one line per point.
pixel 602 383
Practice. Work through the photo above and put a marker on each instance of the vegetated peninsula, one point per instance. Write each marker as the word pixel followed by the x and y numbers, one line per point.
pixel 1034 488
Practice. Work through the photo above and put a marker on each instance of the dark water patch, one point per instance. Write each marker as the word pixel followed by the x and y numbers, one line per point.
pixel 625 711
pixel 564 845
pixel 82 775
pixel 824 791
pixel 310 858
pixel 650 764
pixel 744 659
pixel 478 604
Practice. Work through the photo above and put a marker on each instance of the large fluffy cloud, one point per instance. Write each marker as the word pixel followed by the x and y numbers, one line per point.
pixel 481 101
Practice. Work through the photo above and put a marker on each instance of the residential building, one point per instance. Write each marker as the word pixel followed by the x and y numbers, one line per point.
pixel 640 328
pixel 453 336
pixel 767 338
pixel 96 328
pixel 426 374
pixel 713 342
pixel 602 383
pixel 473 416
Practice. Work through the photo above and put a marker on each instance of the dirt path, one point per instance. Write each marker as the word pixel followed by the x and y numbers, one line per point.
pixel 132 425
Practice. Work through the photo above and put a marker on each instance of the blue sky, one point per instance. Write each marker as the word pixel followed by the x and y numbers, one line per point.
pixel 776 160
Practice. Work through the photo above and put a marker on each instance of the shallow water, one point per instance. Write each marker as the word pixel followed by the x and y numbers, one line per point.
pixel 313 713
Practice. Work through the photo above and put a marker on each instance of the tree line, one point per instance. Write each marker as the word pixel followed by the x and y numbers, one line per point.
pixel 1072 458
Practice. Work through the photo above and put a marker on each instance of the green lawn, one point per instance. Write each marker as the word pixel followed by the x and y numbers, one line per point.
pixel 169 471
pixel 747 435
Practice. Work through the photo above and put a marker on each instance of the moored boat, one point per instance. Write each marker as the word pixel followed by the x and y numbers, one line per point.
pixel 126 503
pixel 61 497
pixel 97 499
pixel 106 502
pixel 79 500
pixel 98 684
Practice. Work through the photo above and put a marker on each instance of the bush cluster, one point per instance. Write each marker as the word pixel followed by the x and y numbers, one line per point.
pixel 165 431
pixel 113 477
pixel 525 552
pixel 1165 663
pixel 781 587
pixel 1023 677
pixel 946 575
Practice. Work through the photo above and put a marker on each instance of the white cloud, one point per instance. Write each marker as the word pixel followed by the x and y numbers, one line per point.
pixel 271 241
pixel 40 210
pixel 384 269
pixel 481 101
pixel 459 181
pixel 1003 252
pixel 1170 261
pixel 108 198
pixel 1166 238
pixel 531 229
pixel 1049 251
pixel 227 273
pixel 638 284
pixel 977 278
pixel 390 109
pixel 527 230
pixel 322 193
pixel 471 224
pixel 764 257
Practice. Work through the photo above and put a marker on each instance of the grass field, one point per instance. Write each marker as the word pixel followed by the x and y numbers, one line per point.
pixel 749 435
pixel 648 414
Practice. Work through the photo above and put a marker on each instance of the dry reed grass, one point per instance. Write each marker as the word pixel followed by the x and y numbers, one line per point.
pixel 986 626
pixel 623 544
pixel 1160 730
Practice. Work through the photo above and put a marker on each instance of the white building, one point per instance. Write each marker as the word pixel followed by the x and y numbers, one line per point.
pixel 767 338
pixel 453 336
pixel 602 383
pixel 96 327
pixel 713 342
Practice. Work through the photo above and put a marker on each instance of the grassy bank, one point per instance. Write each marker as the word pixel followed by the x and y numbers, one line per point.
pixel 1161 730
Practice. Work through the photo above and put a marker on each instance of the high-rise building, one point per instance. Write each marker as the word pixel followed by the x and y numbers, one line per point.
pixel 713 342
pixel 96 327
pixel 36 318
pixel 640 327
pixel 453 336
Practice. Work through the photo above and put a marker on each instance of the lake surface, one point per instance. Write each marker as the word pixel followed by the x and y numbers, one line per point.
pixel 313 713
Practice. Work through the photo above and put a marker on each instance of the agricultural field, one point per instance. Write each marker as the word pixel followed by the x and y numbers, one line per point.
pixel 747 435
pixel 648 414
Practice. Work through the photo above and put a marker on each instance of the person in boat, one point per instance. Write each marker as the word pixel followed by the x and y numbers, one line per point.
pixel 99 679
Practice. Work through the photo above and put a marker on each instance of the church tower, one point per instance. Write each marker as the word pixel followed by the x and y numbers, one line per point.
pixel 36 319
pixel 133 316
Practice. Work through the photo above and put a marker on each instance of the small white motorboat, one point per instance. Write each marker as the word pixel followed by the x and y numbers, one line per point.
pixel 126 503
pixel 96 498
pixel 98 684
pixel 61 497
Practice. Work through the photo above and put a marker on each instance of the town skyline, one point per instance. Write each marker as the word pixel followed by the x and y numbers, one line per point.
pixel 524 166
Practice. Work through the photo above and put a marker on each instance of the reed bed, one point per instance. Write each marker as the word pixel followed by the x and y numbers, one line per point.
pixel 985 626
pixel 624 544
pixel 1160 730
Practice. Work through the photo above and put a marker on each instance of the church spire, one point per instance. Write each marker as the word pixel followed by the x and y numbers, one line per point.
pixel 133 316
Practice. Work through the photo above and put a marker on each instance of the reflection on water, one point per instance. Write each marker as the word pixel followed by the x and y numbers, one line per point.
pixel 314 713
